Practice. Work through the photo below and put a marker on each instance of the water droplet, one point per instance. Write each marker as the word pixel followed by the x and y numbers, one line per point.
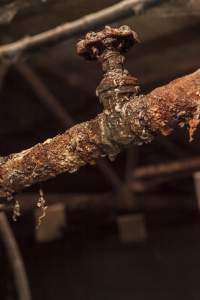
pixel 41 204
pixel 73 170
pixel 16 211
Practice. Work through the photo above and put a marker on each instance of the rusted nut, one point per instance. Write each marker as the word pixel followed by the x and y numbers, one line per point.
pixel 95 43
pixel 124 85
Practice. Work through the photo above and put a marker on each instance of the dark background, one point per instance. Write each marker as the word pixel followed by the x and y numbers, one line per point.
pixel 91 259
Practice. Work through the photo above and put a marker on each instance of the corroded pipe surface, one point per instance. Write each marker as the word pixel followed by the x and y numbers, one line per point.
pixel 127 118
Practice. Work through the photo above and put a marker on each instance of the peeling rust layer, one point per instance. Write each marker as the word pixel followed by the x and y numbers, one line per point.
pixel 175 104
pixel 127 118
pixel 66 152
pixel 165 108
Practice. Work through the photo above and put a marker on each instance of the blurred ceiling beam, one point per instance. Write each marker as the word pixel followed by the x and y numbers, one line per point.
pixel 103 202
pixel 125 8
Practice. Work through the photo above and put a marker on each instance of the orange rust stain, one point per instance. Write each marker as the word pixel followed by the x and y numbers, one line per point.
pixel 193 123
pixel 166 131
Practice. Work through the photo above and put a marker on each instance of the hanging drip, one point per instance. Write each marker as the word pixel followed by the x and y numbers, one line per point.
pixel 16 211
pixel 41 204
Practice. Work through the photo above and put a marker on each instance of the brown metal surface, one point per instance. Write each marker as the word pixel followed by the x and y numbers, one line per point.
pixel 127 118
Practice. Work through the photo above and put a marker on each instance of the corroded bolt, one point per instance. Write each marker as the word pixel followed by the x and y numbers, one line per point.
pixel 95 43
pixel 117 87
pixel 107 46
